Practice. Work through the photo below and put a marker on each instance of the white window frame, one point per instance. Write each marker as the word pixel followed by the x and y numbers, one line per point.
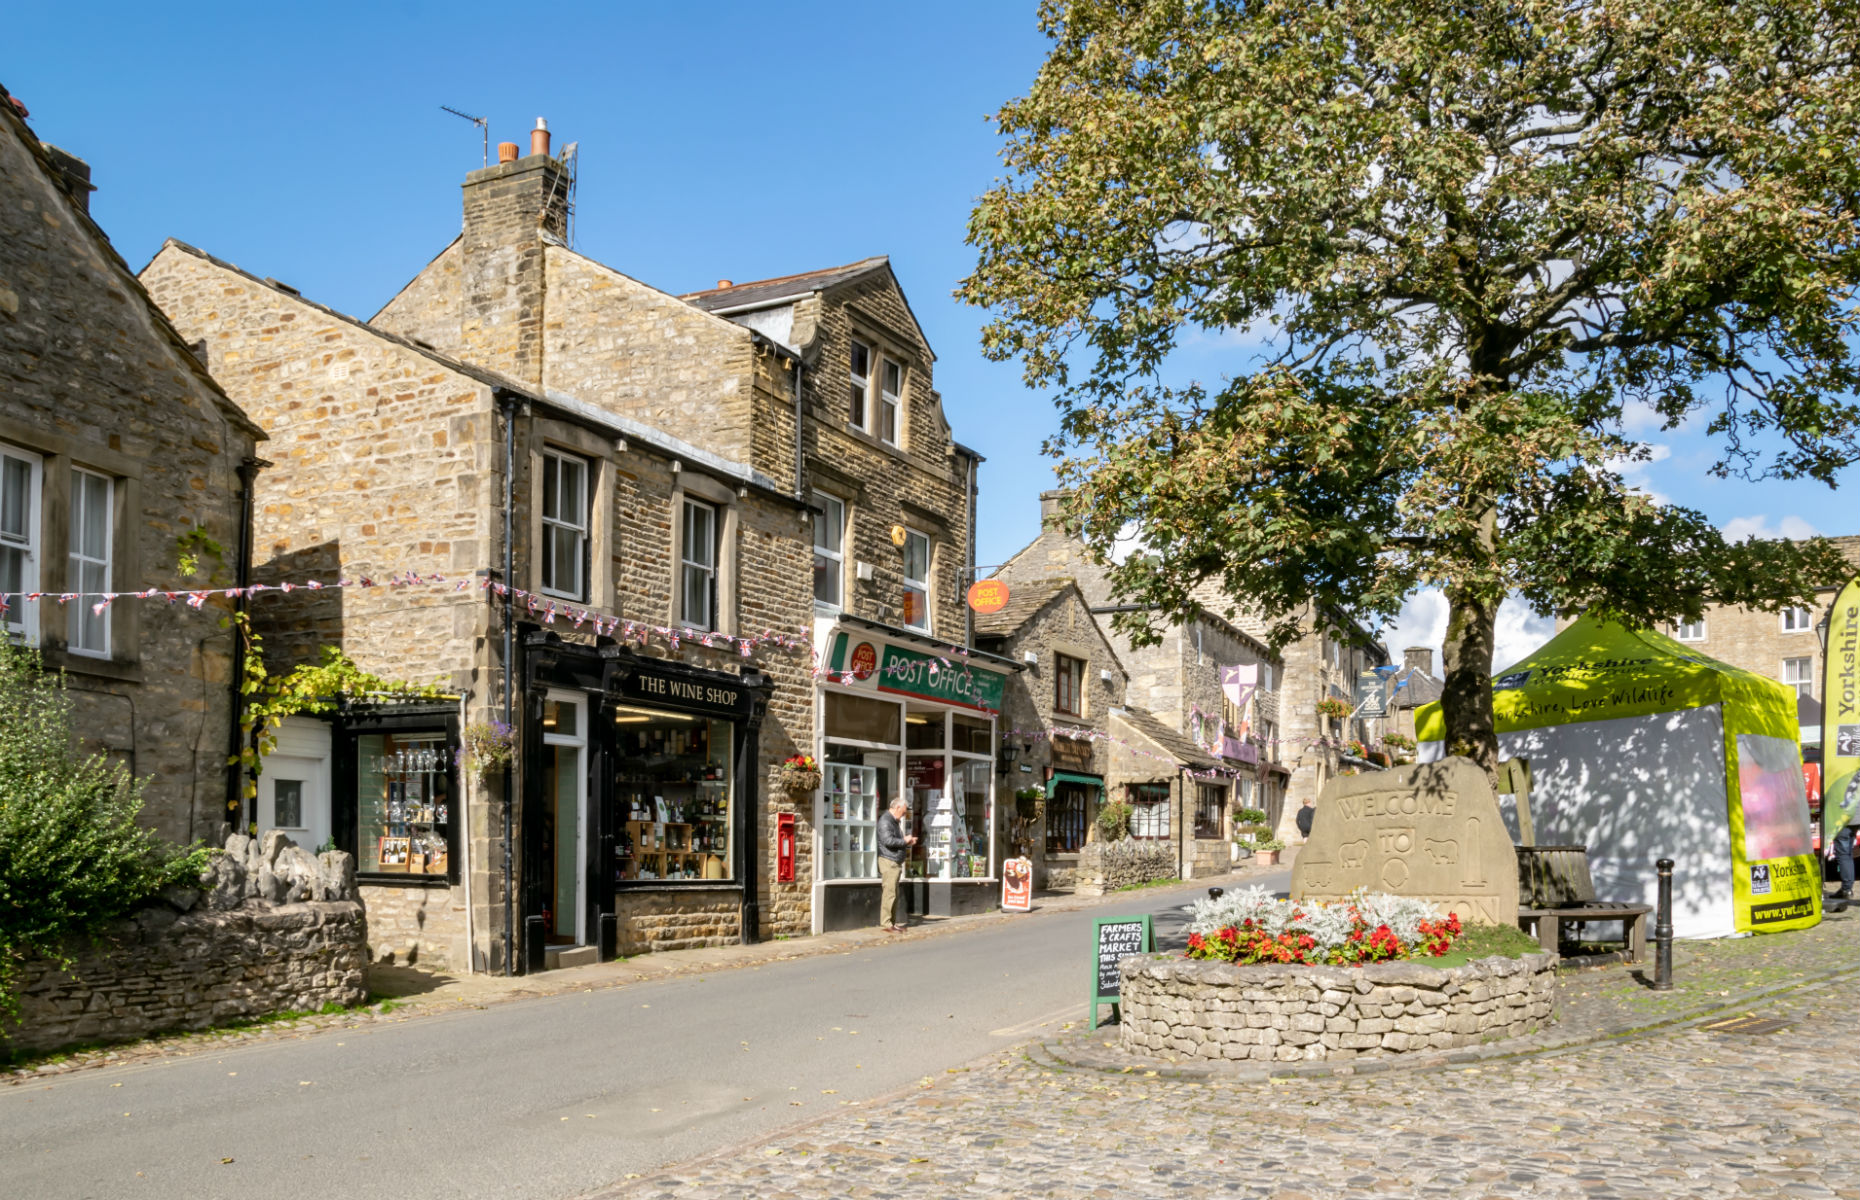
pixel 707 569
pixel 913 584
pixel 21 619
pixel 1797 620
pixel 550 525
pixel 890 402
pixel 860 385
pixel 1689 631
pixel 1805 686
pixel 80 611
pixel 835 559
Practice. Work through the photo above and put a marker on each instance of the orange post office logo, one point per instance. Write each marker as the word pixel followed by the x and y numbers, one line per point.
pixel 988 595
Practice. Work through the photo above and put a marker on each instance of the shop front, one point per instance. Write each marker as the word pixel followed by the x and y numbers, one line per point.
pixel 898 720
pixel 1074 794
pixel 639 818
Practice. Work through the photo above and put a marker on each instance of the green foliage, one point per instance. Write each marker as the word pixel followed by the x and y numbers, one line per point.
pixel 1114 820
pixel 1249 816
pixel 71 853
pixel 1484 941
pixel 1472 250
pixel 1330 706
pixel 305 689
pixel 1268 845
pixel 193 546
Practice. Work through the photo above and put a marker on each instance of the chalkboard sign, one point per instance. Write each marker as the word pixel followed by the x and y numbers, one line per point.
pixel 1113 940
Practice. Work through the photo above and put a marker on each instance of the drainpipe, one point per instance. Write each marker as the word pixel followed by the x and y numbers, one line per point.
pixel 235 775
pixel 800 463
pixel 968 614
pixel 510 402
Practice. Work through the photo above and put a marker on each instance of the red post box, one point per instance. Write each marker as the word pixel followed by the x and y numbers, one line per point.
pixel 784 848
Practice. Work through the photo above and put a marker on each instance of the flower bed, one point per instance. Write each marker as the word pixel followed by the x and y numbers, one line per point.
pixel 1267 980
pixel 1251 926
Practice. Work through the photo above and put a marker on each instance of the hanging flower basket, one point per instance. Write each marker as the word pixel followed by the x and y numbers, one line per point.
pixel 797 776
pixel 1334 708
pixel 486 748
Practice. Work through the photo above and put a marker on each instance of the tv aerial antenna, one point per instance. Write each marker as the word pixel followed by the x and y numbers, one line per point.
pixel 483 124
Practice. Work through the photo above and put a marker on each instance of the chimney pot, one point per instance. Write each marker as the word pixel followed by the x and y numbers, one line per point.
pixel 724 283
pixel 506 152
pixel 539 137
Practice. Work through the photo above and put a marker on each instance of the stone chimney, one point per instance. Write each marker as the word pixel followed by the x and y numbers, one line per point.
pixel 1049 504
pixel 75 173
pixel 1419 658
pixel 512 209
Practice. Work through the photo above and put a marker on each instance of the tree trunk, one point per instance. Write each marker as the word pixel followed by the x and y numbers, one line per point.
pixel 1466 696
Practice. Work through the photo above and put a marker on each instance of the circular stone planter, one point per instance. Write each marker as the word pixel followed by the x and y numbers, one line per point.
pixel 1211 1010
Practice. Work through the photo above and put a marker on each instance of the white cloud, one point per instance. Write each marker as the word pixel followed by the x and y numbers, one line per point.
pixel 1633 471
pixel 1738 529
pixel 1423 622
pixel 1637 416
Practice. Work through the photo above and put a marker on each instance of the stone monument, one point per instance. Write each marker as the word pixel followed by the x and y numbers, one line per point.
pixel 1431 831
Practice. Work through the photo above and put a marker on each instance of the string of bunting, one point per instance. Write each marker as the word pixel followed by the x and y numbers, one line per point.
pixel 1093 735
pixel 546 609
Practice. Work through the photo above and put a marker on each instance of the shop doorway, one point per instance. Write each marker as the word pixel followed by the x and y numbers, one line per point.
pixel 565 818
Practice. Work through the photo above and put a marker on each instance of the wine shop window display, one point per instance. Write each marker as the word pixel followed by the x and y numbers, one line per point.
pixel 673 787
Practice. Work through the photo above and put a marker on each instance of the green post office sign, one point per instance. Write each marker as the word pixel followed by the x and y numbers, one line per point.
pixel 906 672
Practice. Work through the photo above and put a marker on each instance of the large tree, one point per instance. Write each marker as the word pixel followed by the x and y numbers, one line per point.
pixel 1471 237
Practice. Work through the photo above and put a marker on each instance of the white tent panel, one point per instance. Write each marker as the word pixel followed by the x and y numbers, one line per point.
pixel 1635 790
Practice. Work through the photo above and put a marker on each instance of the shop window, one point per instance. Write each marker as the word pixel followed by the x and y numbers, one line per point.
pixel 855 787
pixel 862 719
pixel 1067 817
pixel 971 735
pixel 1210 810
pixel 923 730
pixel 1068 685
pixel 1689 631
pixel 20 488
pixel 829 552
pixel 697 604
pixel 565 526
pixel 861 383
pixel 950 809
pixel 1149 804
pixel 916 580
pixel 88 626
pixel 1797 620
pixel 674 788
pixel 1798 673
pixel 403 803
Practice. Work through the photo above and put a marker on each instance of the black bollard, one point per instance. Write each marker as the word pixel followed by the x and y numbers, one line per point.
pixel 1216 893
pixel 1663 930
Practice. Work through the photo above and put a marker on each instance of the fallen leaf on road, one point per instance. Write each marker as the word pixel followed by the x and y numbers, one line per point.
pixel 794 1104
pixel 304 1083
pixel 823 1091
pixel 920 1160
pixel 224 1161
pixel 120 1085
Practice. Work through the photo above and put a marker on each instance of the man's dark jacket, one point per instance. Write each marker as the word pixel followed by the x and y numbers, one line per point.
pixel 891 842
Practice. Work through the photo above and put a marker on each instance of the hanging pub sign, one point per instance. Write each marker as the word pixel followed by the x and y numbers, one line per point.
pixel 1072 754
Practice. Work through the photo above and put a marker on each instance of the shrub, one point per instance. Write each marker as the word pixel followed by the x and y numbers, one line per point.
pixel 1249 816
pixel 1114 820
pixel 71 854
pixel 1251 926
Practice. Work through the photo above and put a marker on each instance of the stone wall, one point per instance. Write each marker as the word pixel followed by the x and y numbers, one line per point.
pixel 678 920
pixel 271 928
pixel 92 377
pixel 1177 1006
pixel 416 926
pixel 1124 863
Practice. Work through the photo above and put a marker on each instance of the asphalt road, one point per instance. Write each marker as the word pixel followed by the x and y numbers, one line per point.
pixel 551 1097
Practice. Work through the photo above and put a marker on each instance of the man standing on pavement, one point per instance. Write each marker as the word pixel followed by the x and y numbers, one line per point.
pixel 893 843
pixel 1303 819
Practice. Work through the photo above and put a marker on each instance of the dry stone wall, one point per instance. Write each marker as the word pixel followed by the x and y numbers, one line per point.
pixel 1209 1010
pixel 270 929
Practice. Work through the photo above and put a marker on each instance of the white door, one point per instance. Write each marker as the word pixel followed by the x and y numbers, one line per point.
pixel 294 788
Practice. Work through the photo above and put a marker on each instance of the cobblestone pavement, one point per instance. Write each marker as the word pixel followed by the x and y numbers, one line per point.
pixel 1686 1113
pixel 1672 1110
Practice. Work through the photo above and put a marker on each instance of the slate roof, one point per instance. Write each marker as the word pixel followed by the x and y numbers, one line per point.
pixel 1150 726
pixel 1422 688
pixel 1025 600
pixel 769 291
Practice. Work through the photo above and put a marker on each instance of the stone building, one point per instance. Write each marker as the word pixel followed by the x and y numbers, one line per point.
pixel 119 458
pixel 1328 662
pixel 756 483
pixel 1177 682
pixel 641 819
pixel 1411 687
pixel 1056 717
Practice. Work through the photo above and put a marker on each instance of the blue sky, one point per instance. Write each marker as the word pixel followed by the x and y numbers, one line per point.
pixel 716 141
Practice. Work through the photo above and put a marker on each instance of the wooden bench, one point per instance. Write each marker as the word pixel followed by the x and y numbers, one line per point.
pixel 1554 889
